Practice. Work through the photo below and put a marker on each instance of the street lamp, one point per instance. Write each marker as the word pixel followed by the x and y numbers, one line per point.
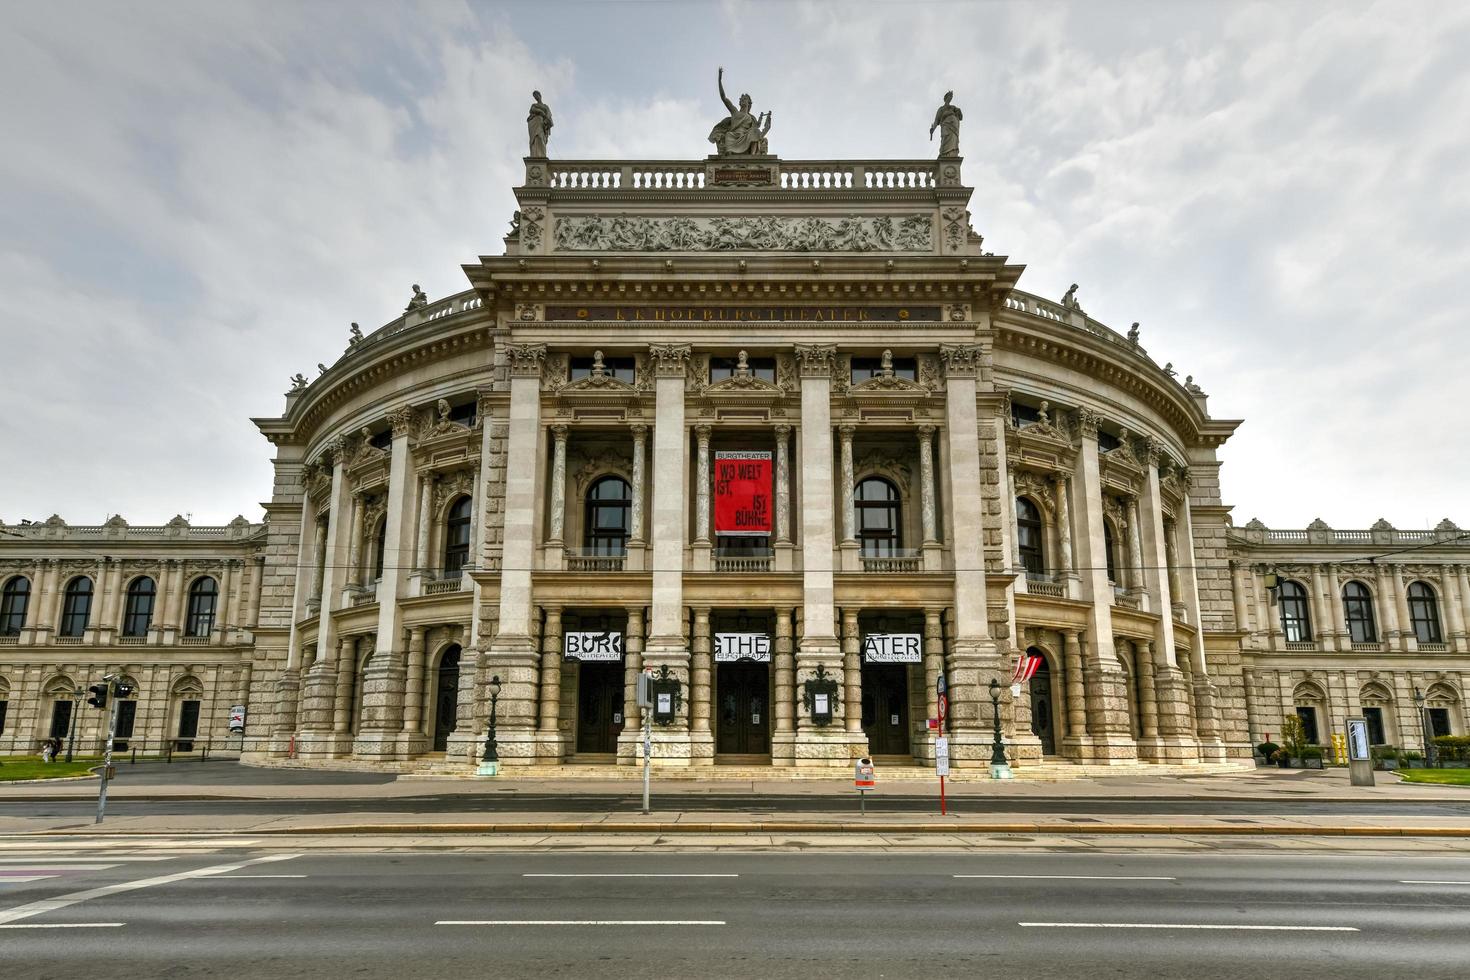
pixel 490 761
pixel 999 767
pixel 1429 759
pixel 76 709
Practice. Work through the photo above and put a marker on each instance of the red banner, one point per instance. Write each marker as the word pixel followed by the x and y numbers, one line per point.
pixel 743 493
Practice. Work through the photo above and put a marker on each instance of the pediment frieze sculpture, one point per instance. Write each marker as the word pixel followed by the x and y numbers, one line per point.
pixel 1043 428
pixel 742 381
pixel 1037 486
pixel 599 381
pixel 765 233
pixel 877 463
pixel 887 380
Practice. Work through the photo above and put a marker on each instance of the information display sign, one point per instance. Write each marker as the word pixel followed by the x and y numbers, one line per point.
pixel 602 645
pixel 732 647
pixel 742 493
pixel 941 755
pixel 237 718
pixel 893 648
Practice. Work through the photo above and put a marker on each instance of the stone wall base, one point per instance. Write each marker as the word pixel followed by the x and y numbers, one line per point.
pixel 833 746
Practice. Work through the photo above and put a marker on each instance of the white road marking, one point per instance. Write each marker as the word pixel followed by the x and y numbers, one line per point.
pixel 1177 925
pixel 1077 877
pixel 233 877
pixel 580 922
pixel 1420 881
pixel 86 863
pixel 63 901
pixel 6 879
pixel 49 864
pixel 612 875
pixel 64 925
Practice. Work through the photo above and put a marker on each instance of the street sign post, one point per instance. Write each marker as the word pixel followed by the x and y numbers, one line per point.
pixel 645 704
pixel 863 780
pixel 941 766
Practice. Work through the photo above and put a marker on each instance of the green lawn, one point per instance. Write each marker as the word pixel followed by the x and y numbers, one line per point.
pixel 1443 777
pixel 22 768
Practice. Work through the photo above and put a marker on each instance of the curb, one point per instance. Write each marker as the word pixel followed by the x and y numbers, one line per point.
pixel 1079 801
pixel 830 827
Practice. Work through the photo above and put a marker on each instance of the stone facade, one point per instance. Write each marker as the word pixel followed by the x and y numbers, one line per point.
pixel 963 474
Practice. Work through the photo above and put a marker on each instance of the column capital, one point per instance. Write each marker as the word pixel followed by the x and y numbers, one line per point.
pixel 1087 422
pixel 782 429
pixel 846 431
pixel 559 432
pixel 960 360
pixel 670 360
pixel 1153 451
pixel 526 359
pixel 815 360
pixel 639 430
pixel 703 431
pixel 400 420
pixel 925 431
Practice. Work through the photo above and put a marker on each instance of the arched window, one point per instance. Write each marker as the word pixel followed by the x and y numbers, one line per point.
pixel 1357 607
pixel 876 505
pixel 457 536
pixel 1296 622
pixel 380 541
pixel 1424 614
pixel 203 598
pixel 1110 551
pixel 138 613
pixel 76 608
pixel 14 600
pixel 1028 537
pixel 606 520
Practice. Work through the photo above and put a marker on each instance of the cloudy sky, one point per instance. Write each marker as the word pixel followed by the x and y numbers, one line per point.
pixel 196 199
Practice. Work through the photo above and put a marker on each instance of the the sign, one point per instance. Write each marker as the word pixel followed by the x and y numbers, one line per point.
pixel 730 647
pixel 863 778
pixel 605 645
pixel 1357 739
pixel 892 648
pixel 237 718
pixel 743 493
pixel 820 706
pixel 941 756
pixel 665 704
pixel 748 314
pixel 742 175
pixel 942 688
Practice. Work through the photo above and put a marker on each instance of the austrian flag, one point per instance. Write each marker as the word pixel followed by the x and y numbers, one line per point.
pixel 1025 667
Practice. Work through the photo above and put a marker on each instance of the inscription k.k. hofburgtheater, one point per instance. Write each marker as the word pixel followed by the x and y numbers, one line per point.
pixel 749 314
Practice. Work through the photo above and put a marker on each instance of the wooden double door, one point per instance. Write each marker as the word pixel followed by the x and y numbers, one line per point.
pixel 743 703
pixel 599 706
pixel 886 708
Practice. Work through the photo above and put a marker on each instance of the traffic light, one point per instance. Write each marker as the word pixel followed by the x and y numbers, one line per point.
pixel 99 696
pixel 122 690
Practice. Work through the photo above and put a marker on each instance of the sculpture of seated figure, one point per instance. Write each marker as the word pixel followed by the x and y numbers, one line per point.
pixel 740 133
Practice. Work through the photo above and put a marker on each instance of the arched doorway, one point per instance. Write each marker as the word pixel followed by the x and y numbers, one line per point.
pixel 446 698
pixel 1042 725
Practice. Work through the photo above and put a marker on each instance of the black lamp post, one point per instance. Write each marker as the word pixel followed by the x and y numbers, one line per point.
pixel 1424 724
pixel 998 764
pixel 76 709
pixel 490 754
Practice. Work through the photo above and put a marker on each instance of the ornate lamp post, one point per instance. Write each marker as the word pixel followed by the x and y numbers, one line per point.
pixel 76 709
pixel 490 762
pixel 999 767
pixel 1429 759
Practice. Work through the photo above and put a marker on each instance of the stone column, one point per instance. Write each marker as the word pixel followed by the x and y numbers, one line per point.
pixel 513 655
pixel 413 697
pixel 425 523
pixel 635 509
pixel 1321 618
pixel 631 740
pixel 1015 550
pixel 1148 705
pixel 783 483
pixel 926 484
pixel 1456 598
pixel 1063 525
pixel 852 672
pixel 1107 717
pixel 354 544
pixel 346 672
pixel 1212 749
pixel 700 693
pixel 318 559
pixel 1238 593
pixel 783 744
pixel 849 507
pixel 1076 695
pixel 702 486
pixel 1136 584
pixel 556 519
pixel 1339 614
pixel 1409 642
pixel 549 746
pixel 933 668
pixel 1388 608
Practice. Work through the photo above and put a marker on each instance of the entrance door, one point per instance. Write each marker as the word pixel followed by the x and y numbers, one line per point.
pixel 446 699
pixel 60 719
pixel 886 708
pixel 744 710
pixel 188 725
pixel 599 706
pixel 1041 725
pixel 127 713
pixel 1309 723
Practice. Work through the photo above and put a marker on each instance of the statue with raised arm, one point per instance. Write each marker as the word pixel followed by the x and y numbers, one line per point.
pixel 538 126
pixel 740 133
pixel 947 121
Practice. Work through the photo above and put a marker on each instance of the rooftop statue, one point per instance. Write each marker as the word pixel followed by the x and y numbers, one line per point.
pixel 947 121
pixel 1069 301
pixel 739 133
pixel 418 301
pixel 538 126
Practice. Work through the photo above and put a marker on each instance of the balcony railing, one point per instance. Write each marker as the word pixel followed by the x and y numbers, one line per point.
pixel 1367 647
pixel 1433 647
pixel 453 582
pixel 743 563
pixel 8 640
pixel 1304 646
pixel 902 560
pixel 587 561
pixel 132 641
pixel 687 175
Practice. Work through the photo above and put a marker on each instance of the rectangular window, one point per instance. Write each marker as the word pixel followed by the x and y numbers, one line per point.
pixel 127 711
pixel 868 368
pixel 3 706
pixel 60 719
pixel 1374 718
pixel 1309 723
pixel 624 369
pixel 763 368
pixel 1439 722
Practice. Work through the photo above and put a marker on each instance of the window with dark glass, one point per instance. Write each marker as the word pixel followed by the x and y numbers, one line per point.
pixel 1357 607
pixel 76 607
pixel 1023 415
pixel 1296 622
pixel 14 599
pixel 464 414
pixel 203 599
pixel 382 440
pixel 1107 442
pixel 1376 733
pixel 380 541
pixel 1028 537
pixel 3 706
pixel 1110 551
pixel 608 512
pixel 457 536
pixel 721 368
pixel 867 368
pixel 1424 614
pixel 623 369
pixel 138 611
pixel 876 507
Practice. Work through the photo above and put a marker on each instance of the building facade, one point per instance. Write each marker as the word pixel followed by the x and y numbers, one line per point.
pixel 782 431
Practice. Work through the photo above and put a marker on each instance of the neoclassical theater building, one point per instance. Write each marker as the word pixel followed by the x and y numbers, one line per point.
pixel 784 431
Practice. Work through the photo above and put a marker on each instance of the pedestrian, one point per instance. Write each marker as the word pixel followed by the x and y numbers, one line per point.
pixel 46 751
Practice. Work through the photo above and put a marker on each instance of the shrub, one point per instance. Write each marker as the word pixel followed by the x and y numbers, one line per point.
pixel 1280 755
pixel 1311 752
pixel 1265 749
pixel 1385 752
pixel 1293 734
pixel 1411 755
pixel 1453 747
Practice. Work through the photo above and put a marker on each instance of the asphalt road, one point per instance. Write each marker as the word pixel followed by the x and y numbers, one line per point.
pixel 406 914
pixel 489 804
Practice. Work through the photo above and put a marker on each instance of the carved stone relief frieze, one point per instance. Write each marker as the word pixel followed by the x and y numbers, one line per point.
pixel 765 233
